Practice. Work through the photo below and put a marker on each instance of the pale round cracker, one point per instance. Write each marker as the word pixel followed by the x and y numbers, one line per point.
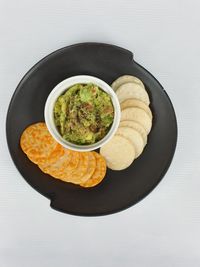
pixel 126 79
pixel 119 153
pixel 99 173
pixel 136 126
pixel 132 102
pixel 132 90
pixel 138 115
pixel 134 137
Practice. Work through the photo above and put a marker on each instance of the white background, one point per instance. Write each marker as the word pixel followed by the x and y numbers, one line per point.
pixel 163 230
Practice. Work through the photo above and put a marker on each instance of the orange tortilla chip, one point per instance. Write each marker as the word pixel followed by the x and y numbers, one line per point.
pixel 99 172
pixel 68 168
pixel 57 168
pixel 91 167
pixel 76 176
pixel 75 157
pixel 37 142
pixel 55 155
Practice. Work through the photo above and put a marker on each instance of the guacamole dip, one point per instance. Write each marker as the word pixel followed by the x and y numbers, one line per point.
pixel 83 114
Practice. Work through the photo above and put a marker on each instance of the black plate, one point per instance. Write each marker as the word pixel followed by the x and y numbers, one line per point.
pixel 120 189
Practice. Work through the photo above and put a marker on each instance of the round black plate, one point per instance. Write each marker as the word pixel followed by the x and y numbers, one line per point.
pixel 119 189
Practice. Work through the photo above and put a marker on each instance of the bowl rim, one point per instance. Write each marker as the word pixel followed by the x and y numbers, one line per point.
pixel 59 89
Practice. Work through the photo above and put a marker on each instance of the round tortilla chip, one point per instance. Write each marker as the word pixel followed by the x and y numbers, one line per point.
pixel 37 142
pixel 136 126
pixel 76 176
pixel 75 157
pixel 138 115
pixel 134 137
pixel 91 167
pixel 99 173
pixel 58 167
pixel 56 154
pixel 132 102
pixel 126 79
pixel 119 153
pixel 132 90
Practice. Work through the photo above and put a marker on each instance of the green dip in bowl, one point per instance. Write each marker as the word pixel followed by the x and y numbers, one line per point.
pixel 83 114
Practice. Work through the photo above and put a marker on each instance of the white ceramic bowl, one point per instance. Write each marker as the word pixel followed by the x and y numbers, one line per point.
pixel 59 90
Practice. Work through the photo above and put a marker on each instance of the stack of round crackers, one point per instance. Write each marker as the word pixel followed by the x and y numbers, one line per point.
pixel 84 168
pixel 136 121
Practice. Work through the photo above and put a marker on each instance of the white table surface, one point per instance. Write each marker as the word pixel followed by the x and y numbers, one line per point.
pixel 163 230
